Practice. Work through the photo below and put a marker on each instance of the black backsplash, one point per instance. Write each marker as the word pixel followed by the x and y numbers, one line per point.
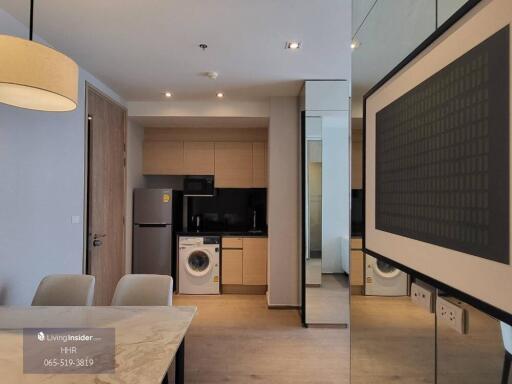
pixel 229 210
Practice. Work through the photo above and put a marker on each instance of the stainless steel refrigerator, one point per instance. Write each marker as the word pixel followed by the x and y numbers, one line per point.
pixel 157 216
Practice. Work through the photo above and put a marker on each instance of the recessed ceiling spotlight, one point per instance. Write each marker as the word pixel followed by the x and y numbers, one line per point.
pixel 293 45
pixel 212 75
pixel 168 94
pixel 355 44
pixel 220 95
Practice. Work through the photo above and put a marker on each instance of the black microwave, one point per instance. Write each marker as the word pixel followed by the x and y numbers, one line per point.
pixel 198 186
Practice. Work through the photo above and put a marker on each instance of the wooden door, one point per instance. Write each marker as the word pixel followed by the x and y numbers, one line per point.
pixel 233 165
pixel 259 165
pixel 198 158
pixel 163 158
pixel 255 261
pixel 106 194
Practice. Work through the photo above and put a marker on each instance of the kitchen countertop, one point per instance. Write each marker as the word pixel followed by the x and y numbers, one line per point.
pixel 224 233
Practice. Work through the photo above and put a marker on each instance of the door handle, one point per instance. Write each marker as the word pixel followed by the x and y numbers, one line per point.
pixel 97 236
pixel 97 243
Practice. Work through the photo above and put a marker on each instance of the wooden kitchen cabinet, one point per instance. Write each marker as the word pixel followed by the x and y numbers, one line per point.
pixel 356 263
pixel 255 261
pixel 233 165
pixel 259 165
pixel 232 243
pixel 163 158
pixel 356 267
pixel 199 158
pixel 244 264
pixel 232 266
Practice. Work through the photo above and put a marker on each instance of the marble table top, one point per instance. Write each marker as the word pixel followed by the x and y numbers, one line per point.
pixel 147 339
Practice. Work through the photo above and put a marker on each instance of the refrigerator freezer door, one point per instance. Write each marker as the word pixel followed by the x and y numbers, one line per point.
pixel 152 206
pixel 152 247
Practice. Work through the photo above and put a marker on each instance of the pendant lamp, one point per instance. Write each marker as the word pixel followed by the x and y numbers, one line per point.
pixel 35 76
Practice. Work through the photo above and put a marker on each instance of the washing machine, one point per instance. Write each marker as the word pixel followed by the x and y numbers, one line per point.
pixel 382 279
pixel 199 265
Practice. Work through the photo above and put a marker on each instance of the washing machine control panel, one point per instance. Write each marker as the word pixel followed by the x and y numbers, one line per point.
pixel 211 240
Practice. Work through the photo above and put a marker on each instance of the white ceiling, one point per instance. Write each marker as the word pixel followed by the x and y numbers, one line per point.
pixel 141 48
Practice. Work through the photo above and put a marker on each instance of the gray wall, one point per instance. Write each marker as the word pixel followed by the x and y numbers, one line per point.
pixel 134 179
pixel 283 202
pixel 42 188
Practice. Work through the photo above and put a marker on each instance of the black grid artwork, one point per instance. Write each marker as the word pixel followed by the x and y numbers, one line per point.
pixel 442 156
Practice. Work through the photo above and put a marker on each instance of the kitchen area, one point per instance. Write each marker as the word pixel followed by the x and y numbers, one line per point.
pixel 202 214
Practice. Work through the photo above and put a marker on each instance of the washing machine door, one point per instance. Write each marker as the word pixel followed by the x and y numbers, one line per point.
pixel 199 262
pixel 385 270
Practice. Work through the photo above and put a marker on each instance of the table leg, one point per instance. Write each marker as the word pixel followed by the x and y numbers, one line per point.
pixel 180 364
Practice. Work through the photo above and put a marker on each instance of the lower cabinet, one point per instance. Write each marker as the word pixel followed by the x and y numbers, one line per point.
pixel 356 266
pixel 244 262
pixel 255 261
pixel 232 266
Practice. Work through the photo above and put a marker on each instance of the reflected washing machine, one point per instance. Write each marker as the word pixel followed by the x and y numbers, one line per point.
pixel 382 279
pixel 199 265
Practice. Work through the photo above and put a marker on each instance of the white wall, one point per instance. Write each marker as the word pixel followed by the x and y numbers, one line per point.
pixel 335 193
pixel 283 202
pixel 41 188
pixel 134 179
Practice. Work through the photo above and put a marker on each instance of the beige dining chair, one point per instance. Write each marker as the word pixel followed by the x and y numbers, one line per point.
pixel 143 290
pixel 65 290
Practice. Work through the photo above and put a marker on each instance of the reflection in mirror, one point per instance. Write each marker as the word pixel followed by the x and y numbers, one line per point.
pixel 472 347
pixel 326 218
pixel 392 333
pixel 327 288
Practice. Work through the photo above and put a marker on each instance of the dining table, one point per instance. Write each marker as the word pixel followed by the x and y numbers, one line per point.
pixel 135 344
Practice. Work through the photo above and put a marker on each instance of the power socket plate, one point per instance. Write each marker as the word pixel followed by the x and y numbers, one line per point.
pixel 451 314
pixel 422 297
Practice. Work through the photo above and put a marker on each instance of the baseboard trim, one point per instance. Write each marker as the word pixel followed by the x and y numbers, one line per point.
pixel 338 326
pixel 282 306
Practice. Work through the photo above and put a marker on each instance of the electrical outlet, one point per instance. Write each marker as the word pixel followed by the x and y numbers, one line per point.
pixel 451 314
pixel 422 297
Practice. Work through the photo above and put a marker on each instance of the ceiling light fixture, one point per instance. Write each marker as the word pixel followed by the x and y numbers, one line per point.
pixel 35 76
pixel 168 94
pixel 220 95
pixel 355 44
pixel 293 45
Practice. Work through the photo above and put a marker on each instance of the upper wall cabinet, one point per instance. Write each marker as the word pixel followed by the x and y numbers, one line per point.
pixel 199 158
pixel 163 157
pixel 259 165
pixel 233 165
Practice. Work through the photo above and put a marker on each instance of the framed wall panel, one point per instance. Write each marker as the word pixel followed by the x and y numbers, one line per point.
pixel 437 159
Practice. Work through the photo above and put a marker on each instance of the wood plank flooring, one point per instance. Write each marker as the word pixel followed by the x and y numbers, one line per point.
pixel 237 339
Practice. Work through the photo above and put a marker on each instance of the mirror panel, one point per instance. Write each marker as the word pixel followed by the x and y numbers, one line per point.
pixel 392 338
pixel 475 355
